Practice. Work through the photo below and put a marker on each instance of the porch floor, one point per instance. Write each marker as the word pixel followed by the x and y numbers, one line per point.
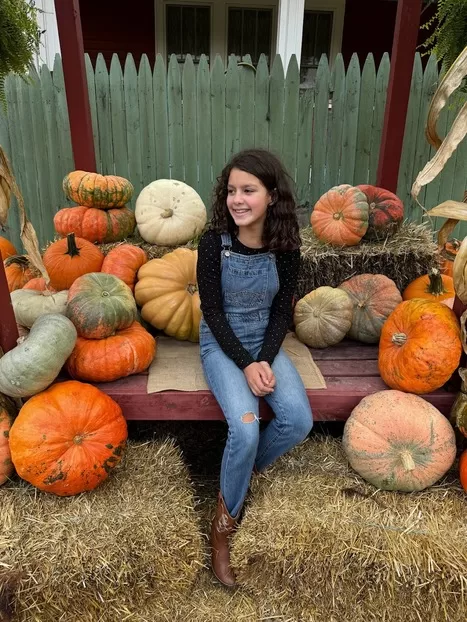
pixel 349 368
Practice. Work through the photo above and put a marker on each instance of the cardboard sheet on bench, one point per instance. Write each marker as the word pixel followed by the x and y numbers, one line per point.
pixel 177 366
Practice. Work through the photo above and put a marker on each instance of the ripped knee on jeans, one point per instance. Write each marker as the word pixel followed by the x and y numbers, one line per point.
pixel 249 417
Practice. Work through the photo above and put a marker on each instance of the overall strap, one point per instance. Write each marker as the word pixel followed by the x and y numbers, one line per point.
pixel 226 241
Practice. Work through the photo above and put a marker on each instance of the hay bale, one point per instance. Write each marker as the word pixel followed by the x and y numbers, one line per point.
pixel 410 253
pixel 317 543
pixel 103 555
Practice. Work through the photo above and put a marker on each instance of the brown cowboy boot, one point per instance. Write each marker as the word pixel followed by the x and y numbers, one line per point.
pixel 221 530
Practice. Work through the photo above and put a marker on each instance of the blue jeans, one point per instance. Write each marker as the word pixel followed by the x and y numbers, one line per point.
pixel 246 446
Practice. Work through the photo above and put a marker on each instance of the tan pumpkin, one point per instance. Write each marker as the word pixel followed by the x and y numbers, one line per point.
pixel 374 297
pixel 169 213
pixel 323 317
pixel 399 441
pixel 167 291
pixel 29 304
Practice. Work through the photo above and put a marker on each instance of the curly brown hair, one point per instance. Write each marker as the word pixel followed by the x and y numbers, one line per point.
pixel 281 229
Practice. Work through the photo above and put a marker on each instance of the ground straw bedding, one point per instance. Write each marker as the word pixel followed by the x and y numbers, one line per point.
pixel 318 544
pixel 105 555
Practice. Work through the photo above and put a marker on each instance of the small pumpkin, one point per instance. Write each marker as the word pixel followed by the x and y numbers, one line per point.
pixel 34 364
pixel 7 248
pixel 29 304
pixel 124 261
pixel 374 297
pixel 448 254
pixel 67 439
pixel 167 292
pixel 169 213
pixel 94 190
pixel 129 351
pixel 69 258
pixel 432 286
pixel 420 346
pixel 18 271
pixel 100 304
pixel 39 284
pixel 398 441
pixel 323 317
pixel 340 216
pixel 7 413
pixel 463 469
pixel 386 212
pixel 95 225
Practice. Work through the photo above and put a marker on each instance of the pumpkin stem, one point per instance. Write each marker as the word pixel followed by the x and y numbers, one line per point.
pixel 167 213
pixel 399 339
pixel 192 288
pixel 72 249
pixel 21 260
pixel 436 285
pixel 407 460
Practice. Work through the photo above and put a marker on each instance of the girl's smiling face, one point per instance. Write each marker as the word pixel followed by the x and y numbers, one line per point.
pixel 247 199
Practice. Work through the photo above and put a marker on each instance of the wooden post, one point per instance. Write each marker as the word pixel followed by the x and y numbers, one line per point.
pixel 402 57
pixel 79 111
pixel 8 329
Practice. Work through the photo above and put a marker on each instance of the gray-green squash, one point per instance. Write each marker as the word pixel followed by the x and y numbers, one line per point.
pixel 29 304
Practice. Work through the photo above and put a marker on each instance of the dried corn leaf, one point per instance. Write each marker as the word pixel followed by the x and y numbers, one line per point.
pixel 5 197
pixel 450 209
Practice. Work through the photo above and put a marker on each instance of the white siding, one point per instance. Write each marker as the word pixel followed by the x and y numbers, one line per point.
pixel 50 44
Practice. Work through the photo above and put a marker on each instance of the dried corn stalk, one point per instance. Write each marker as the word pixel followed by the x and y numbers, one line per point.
pixel 27 233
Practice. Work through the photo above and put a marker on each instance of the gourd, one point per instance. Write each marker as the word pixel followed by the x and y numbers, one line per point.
pixel 18 271
pixel 169 213
pixel 7 413
pixel 323 317
pixel 67 439
pixel 100 304
pixel 7 249
pixel 374 297
pixel 386 212
pixel 432 286
pixel 398 441
pixel 420 346
pixel 69 258
pixel 34 364
pixel 129 351
pixel 124 261
pixel 340 216
pixel 94 190
pixel 29 304
pixel 95 225
pixel 167 292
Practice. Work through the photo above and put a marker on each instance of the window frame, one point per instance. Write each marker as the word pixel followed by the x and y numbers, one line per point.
pixel 337 8
pixel 161 21
pixel 256 7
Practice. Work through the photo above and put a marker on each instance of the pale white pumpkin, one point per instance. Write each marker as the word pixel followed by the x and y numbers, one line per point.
pixel 169 213
pixel 29 304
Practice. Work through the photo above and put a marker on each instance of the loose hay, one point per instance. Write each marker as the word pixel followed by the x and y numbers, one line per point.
pixel 104 555
pixel 319 544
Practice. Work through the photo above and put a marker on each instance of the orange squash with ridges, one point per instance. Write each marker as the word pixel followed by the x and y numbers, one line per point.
pixel 95 190
pixel 95 225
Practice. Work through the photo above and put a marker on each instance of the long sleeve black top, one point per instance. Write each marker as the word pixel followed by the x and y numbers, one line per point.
pixel 210 290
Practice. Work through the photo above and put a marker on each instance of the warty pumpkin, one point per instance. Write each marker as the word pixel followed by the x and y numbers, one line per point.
pixel 129 351
pixel 95 225
pixel 34 364
pixel 432 286
pixel 69 258
pixel 340 216
pixel 7 413
pixel 99 304
pixel 167 292
pixel 29 304
pixel 7 248
pixel 420 346
pixel 67 439
pixel 398 441
pixel 169 212
pixel 94 190
pixel 18 271
pixel 124 261
pixel 374 297
pixel 323 317
pixel 386 212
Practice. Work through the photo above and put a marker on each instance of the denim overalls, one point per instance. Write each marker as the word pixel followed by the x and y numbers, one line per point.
pixel 249 284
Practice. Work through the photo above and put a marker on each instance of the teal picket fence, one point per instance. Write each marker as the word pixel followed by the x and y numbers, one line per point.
pixel 184 122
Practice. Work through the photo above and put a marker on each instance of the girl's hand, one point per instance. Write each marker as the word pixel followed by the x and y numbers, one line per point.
pixel 258 379
pixel 270 373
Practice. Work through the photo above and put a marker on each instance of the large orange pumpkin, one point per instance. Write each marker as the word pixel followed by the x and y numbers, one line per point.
pixel 386 212
pixel 124 261
pixel 7 412
pixel 340 216
pixel 167 291
pixel 94 190
pixel 374 297
pixel 18 271
pixel 129 351
pixel 95 225
pixel 69 258
pixel 399 441
pixel 7 249
pixel 463 469
pixel 431 286
pixel 68 438
pixel 420 346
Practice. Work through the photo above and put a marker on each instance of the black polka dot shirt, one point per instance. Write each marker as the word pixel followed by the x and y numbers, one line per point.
pixel 209 283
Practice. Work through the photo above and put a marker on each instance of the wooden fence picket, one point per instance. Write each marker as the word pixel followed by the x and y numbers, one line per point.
pixel 104 116
pixel 276 107
pixel 320 129
pixel 147 130
pixel 262 118
pixel 365 121
pixel 218 116
pixel 161 125
pixel 203 153
pixel 382 80
pixel 291 102
pixel 336 124
pixel 118 119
